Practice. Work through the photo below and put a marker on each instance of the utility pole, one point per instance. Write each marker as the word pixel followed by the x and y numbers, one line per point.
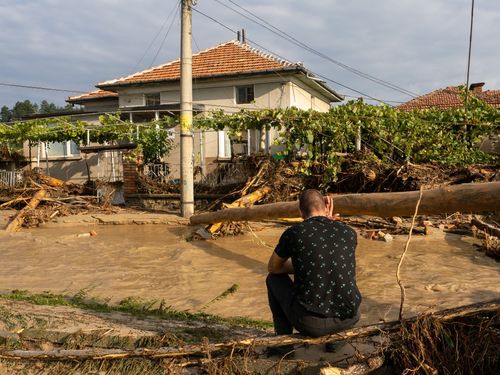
pixel 186 115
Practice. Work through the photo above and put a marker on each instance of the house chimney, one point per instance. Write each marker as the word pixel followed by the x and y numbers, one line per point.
pixel 238 36
pixel 476 88
pixel 243 39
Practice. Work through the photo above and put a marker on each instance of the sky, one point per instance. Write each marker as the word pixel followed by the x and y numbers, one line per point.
pixel 417 45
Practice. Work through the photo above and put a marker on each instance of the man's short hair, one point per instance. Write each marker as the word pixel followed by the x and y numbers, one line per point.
pixel 311 200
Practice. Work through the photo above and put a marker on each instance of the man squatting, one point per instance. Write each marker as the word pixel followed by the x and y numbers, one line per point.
pixel 323 297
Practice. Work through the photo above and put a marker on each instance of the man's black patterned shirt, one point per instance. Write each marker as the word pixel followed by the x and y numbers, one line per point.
pixel 322 253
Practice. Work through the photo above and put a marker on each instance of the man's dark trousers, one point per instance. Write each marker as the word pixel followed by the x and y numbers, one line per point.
pixel 288 313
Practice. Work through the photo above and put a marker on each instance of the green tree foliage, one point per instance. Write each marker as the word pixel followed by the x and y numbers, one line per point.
pixel 421 136
pixel 152 137
pixel 26 108
pixel 445 137
pixel 5 114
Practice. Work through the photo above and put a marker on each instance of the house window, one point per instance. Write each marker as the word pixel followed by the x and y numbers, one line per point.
pixel 152 99
pixel 244 94
pixel 62 149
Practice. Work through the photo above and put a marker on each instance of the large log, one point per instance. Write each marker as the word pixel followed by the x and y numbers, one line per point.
pixel 458 198
pixel 18 220
pixel 172 352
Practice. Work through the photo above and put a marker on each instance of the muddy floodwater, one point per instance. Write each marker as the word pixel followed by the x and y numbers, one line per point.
pixel 158 262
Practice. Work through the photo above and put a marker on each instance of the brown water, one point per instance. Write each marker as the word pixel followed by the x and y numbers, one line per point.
pixel 156 262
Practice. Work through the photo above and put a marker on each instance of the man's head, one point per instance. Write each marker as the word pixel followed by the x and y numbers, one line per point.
pixel 312 203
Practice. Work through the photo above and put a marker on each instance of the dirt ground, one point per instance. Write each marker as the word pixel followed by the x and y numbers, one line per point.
pixel 160 262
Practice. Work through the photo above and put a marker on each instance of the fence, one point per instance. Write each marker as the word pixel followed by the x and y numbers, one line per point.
pixel 157 172
pixel 11 178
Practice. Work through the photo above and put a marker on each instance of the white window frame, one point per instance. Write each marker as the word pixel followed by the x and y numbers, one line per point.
pixel 67 150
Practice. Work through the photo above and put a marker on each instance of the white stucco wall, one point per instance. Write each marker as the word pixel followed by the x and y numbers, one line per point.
pixel 270 91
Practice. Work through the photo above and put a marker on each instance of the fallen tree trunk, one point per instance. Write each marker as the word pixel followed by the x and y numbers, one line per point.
pixel 490 229
pixel 448 199
pixel 169 352
pixel 18 220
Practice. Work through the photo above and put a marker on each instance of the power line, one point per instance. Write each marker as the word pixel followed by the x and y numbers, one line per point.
pixel 39 88
pixel 470 49
pixel 155 37
pixel 165 37
pixel 300 44
pixel 283 58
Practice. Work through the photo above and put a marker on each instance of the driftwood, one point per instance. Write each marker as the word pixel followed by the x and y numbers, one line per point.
pixel 51 181
pixel 490 229
pixel 244 201
pixel 463 198
pixel 169 352
pixel 18 220
pixel 362 368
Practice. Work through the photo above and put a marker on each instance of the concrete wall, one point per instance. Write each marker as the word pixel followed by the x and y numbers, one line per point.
pixel 101 105
pixel 301 96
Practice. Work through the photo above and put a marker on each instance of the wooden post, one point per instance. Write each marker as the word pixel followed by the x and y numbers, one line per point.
pixel 186 116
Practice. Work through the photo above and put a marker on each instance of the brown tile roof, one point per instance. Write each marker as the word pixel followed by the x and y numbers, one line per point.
pixel 97 94
pixel 230 58
pixel 449 98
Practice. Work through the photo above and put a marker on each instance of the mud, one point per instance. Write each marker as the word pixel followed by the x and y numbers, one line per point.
pixel 159 262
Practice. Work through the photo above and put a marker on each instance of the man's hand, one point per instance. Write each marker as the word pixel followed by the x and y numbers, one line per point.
pixel 329 209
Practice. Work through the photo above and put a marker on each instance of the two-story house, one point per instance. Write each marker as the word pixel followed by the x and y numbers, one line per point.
pixel 229 76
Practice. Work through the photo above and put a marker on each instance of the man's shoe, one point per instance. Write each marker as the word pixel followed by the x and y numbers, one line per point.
pixel 332 347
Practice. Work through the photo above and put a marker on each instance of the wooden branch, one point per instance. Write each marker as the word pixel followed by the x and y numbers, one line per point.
pixel 51 181
pixel 463 198
pixel 244 201
pixel 12 201
pixel 398 279
pixel 169 352
pixel 364 367
pixel 18 220
pixel 490 229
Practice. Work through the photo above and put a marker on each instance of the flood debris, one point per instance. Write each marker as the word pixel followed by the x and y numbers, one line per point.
pixel 43 198
pixel 463 339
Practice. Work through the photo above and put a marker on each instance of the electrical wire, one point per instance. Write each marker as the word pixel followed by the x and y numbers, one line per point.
pixel 470 49
pixel 300 44
pixel 176 6
pixel 40 88
pixel 281 57
pixel 165 37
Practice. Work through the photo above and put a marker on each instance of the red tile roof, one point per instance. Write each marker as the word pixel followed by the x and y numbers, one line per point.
pixel 231 58
pixel 97 94
pixel 449 98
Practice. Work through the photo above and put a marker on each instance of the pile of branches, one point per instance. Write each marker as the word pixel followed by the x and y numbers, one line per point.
pixel 361 172
pixel 465 345
pixel 42 198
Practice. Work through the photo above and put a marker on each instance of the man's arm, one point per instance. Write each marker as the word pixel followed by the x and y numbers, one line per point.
pixel 278 264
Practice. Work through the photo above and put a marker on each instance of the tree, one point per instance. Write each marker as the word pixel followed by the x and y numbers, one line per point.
pixel 46 107
pixel 5 114
pixel 22 109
